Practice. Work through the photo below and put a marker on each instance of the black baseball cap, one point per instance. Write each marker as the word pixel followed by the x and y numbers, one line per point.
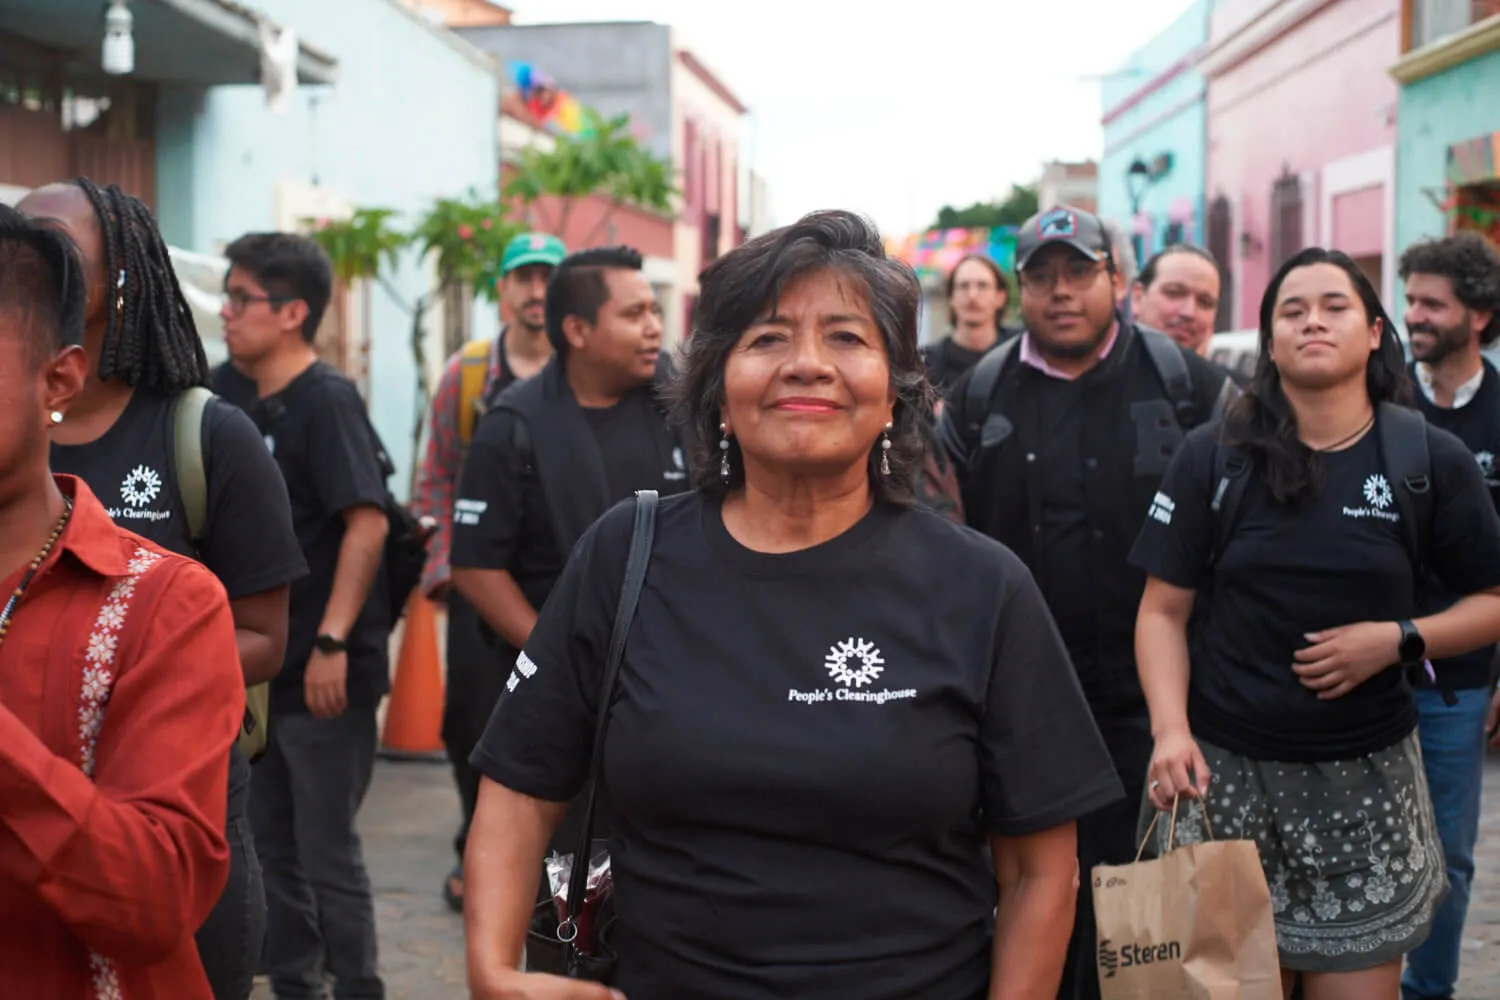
pixel 1064 224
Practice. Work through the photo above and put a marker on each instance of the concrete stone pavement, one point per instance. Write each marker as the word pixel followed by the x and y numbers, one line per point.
pixel 412 810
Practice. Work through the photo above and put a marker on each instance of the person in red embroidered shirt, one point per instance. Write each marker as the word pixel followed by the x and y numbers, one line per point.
pixel 476 375
pixel 120 691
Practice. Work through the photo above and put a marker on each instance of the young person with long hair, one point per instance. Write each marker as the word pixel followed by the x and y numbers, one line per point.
pixel 1286 707
pixel 121 437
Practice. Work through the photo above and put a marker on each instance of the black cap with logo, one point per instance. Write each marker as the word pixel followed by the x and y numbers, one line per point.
pixel 1066 225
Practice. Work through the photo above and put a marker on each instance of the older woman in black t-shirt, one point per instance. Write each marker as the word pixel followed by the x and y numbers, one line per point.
pixel 832 702
pixel 1286 706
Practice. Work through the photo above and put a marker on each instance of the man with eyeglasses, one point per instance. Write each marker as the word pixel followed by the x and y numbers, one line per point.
pixel 312 779
pixel 1060 438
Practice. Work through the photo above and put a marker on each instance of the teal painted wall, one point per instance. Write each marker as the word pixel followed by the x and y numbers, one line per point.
pixel 1170 119
pixel 1454 106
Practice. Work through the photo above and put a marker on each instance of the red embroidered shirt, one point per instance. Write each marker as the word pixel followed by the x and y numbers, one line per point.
pixel 120 693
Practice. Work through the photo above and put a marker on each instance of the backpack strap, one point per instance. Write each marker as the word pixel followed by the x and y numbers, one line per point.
pixel 1171 367
pixel 984 428
pixel 1408 466
pixel 1405 455
pixel 473 368
pixel 190 457
pixel 1231 476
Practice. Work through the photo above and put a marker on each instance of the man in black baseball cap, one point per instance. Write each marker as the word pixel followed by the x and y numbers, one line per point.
pixel 1060 438
pixel 1062 226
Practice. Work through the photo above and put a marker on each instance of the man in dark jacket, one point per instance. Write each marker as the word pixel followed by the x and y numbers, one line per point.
pixel 1060 441
pixel 554 452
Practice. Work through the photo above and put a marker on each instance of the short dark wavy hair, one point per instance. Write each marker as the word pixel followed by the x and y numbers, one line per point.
pixel 735 292
pixel 1468 260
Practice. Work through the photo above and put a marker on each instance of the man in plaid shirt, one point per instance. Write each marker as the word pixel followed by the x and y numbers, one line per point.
pixel 475 678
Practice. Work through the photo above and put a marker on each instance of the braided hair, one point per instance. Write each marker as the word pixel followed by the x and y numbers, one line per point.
pixel 150 341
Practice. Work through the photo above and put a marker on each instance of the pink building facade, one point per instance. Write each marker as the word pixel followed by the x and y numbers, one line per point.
pixel 1301 139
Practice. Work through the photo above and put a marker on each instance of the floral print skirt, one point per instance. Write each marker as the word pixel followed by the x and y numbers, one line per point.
pixel 1349 847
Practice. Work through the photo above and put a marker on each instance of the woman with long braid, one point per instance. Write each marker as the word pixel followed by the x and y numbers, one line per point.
pixel 120 437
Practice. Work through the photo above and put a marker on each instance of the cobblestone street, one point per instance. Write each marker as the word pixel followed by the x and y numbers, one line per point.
pixel 409 819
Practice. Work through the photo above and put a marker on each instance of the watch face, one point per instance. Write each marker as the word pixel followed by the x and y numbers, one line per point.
pixel 1413 646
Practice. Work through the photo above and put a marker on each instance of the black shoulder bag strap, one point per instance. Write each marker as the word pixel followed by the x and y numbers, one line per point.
pixel 1171 368
pixel 1408 465
pixel 636 563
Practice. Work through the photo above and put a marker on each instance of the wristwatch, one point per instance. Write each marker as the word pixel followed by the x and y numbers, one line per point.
pixel 326 643
pixel 1412 648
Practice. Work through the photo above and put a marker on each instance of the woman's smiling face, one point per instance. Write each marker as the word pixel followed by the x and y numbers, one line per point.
pixel 807 388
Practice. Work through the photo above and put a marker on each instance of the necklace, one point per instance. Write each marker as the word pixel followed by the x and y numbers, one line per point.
pixel 1332 447
pixel 31 570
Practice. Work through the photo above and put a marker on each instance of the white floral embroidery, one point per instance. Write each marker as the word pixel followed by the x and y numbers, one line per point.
pixel 98 681
pixel 106 979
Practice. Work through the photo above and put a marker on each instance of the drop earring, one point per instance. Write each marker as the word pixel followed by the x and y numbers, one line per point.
pixel 120 293
pixel 724 470
pixel 55 416
pixel 885 450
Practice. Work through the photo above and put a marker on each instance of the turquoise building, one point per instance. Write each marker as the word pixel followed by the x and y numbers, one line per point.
pixel 1151 174
pixel 1448 130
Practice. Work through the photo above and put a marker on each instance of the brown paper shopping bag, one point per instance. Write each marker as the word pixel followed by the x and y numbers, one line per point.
pixel 1196 924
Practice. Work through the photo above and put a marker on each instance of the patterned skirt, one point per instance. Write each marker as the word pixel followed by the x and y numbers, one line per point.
pixel 1349 847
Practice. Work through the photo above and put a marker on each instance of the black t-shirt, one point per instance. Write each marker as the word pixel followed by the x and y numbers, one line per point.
pixel 1477 425
pixel 1287 572
pixel 805 750
pixel 319 432
pixel 247 542
pixel 500 519
pixel 234 385
pixel 946 359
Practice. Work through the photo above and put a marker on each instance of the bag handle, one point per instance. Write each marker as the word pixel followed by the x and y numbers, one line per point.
pixel 636 563
pixel 1172 828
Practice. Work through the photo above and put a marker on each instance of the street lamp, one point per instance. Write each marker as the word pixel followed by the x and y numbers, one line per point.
pixel 1138 179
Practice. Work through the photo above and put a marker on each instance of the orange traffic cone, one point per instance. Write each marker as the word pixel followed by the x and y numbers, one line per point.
pixel 414 717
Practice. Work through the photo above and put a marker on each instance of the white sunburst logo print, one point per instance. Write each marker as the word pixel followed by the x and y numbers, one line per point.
pixel 141 486
pixel 1378 492
pixel 854 662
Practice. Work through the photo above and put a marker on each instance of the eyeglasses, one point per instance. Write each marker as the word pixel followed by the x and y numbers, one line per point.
pixel 1074 274
pixel 239 301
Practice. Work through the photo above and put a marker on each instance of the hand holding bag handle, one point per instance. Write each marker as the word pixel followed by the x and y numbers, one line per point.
pixel 636 563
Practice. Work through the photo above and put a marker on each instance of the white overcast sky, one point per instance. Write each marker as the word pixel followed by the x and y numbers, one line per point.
pixel 896 114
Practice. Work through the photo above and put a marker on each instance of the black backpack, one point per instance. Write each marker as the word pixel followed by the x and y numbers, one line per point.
pixel 405 552
pixel 986 429
pixel 405 540
pixel 1407 465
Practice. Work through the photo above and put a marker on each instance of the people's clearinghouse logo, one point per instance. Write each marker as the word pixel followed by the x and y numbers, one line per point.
pixel 138 491
pixel 854 665
pixel 1378 492
pixel 1378 499
pixel 141 486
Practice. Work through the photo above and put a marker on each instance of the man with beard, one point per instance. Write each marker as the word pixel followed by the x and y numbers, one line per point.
pixel 1060 438
pixel 1453 310
pixel 471 378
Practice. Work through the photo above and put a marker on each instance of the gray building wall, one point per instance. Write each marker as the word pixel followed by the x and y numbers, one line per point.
pixel 614 67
